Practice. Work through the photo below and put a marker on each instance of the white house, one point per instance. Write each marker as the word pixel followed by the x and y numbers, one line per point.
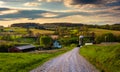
pixel 56 44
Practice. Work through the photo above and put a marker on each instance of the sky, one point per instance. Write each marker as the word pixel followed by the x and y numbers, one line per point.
pixel 49 11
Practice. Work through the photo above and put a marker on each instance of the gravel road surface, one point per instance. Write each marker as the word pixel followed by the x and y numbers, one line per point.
pixel 71 61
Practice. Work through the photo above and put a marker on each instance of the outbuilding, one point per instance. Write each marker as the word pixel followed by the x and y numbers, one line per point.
pixel 56 44
pixel 24 48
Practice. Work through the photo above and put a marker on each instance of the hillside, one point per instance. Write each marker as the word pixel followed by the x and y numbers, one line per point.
pixel 28 25
pixel 105 57
pixel 46 25
pixel 103 31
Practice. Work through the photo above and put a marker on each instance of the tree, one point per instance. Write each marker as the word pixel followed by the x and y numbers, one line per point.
pixel 45 41
pixel 107 37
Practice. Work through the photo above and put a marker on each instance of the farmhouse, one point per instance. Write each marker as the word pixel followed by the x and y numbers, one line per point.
pixel 24 48
pixel 56 44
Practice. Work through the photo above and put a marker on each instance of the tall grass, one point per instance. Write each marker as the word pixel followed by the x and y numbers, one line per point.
pixel 106 58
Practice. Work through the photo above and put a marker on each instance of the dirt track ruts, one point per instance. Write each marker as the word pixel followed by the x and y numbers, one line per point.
pixel 71 61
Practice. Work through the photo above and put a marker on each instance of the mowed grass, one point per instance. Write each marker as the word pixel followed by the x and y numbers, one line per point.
pixel 103 31
pixel 24 62
pixel 106 57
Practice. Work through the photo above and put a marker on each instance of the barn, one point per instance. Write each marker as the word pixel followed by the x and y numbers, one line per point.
pixel 25 48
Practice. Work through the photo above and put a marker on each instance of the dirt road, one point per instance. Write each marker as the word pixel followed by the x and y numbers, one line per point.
pixel 68 62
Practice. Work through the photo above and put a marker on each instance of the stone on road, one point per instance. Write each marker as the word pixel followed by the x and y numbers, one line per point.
pixel 71 61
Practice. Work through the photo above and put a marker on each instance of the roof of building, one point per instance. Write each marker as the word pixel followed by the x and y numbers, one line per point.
pixel 25 47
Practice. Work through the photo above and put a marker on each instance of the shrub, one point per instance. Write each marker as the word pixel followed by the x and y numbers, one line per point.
pixel 118 38
pixel 45 41
pixel 107 37
pixel 4 47
pixel 68 41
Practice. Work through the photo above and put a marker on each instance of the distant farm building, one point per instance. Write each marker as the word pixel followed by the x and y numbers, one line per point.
pixel 56 44
pixel 24 48
pixel 54 37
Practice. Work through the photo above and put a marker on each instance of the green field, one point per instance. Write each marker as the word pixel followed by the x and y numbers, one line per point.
pixel 24 30
pixel 104 57
pixel 24 62
pixel 35 31
pixel 17 30
pixel 103 31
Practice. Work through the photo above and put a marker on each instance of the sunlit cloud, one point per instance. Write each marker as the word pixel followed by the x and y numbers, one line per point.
pixel 87 3
pixel 49 0
pixel 8 12
pixel 72 19
pixel 49 14
pixel 75 11
pixel 1 3
pixel 30 4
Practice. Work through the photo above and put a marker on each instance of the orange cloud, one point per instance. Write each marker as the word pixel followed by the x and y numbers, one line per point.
pixel 31 4
pixel 49 14
pixel 8 12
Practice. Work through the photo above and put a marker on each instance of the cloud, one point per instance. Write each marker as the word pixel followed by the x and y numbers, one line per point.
pixel 86 3
pixel 5 12
pixel 72 19
pixel 2 2
pixel 49 0
pixel 2 9
pixel 116 3
pixel 49 15
pixel 30 14
pixel 117 8
pixel 30 4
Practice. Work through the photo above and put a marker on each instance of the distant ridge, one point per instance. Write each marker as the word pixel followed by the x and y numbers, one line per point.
pixel 54 25
pixel 28 25
pixel 46 25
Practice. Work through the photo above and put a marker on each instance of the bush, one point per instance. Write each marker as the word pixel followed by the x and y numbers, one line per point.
pixel 68 41
pixel 118 38
pixel 45 41
pixel 4 47
pixel 107 37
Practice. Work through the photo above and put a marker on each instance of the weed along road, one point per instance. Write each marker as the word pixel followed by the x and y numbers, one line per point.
pixel 68 62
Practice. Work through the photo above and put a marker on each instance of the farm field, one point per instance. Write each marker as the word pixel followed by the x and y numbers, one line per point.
pixel 18 30
pixel 35 31
pixel 24 30
pixel 24 62
pixel 103 31
pixel 104 57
